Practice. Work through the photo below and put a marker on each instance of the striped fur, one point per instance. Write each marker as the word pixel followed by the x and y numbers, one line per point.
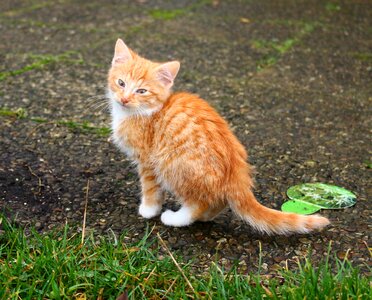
pixel 182 145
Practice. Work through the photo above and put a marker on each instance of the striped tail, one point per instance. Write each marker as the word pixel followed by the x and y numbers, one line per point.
pixel 272 221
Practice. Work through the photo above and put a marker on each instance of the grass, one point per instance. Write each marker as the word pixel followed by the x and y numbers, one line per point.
pixel 275 49
pixel 21 10
pixel 19 113
pixel 83 127
pixel 163 14
pixel 59 265
pixel 40 61
pixel 368 164
pixel 170 14
pixel 330 6
pixel 363 56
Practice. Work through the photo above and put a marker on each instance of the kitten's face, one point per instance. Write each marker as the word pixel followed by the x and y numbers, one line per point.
pixel 134 85
pixel 138 85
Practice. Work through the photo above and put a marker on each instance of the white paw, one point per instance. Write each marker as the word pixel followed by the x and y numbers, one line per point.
pixel 178 218
pixel 149 212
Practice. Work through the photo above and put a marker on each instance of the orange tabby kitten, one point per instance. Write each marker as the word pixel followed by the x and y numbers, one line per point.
pixel 183 146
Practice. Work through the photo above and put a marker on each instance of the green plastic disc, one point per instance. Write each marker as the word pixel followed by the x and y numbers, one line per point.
pixel 300 207
pixel 308 198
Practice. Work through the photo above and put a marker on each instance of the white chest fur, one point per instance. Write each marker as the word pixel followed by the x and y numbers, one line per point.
pixel 118 116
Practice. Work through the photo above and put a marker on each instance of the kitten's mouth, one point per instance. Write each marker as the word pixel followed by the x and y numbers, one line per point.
pixel 125 105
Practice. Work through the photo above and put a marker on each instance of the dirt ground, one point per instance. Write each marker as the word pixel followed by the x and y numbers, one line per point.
pixel 293 79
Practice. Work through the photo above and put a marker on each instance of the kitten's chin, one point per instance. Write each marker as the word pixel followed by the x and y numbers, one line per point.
pixel 129 110
pixel 115 105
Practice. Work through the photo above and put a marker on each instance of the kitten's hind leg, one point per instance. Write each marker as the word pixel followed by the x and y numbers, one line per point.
pixel 152 194
pixel 185 216
pixel 212 213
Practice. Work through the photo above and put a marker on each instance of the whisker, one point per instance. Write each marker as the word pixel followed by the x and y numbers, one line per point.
pixel 95 107
pixel 104 108
pixel 98 101
pixel 95 102
pixel 97 97
pixel 103 94
pixel 99 107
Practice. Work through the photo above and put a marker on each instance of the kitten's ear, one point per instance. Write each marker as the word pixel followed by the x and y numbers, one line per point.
pixel 122 52
pixel 167 73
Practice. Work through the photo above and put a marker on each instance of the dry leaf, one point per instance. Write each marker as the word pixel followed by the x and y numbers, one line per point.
pixel 245 20
pixel 80 296
pixel 100 293
pixel 123 296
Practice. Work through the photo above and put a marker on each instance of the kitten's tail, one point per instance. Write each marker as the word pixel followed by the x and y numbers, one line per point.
pixel 271 221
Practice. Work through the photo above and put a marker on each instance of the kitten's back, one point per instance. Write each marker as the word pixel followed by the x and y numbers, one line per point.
pixel 193 141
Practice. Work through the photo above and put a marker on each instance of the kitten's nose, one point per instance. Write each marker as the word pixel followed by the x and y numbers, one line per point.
pixel 124 100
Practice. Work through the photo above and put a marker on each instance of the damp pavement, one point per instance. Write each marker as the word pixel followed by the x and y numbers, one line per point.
pixel 293 79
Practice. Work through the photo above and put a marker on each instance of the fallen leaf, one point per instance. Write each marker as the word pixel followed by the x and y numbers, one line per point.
pixel 123 296
pixel 245 20
pixel 80 296
pixel 100 293
pixel 344 254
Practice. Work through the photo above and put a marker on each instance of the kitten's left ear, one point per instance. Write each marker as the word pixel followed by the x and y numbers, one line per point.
pixel 167 72
pixel 122 52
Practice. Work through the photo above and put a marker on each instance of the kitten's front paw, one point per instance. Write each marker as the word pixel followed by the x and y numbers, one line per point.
pixel 149 212
pixel 175 218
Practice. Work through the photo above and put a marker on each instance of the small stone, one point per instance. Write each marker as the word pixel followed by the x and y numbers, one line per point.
pixel 299 252
pixel 239 248
pixel 232 242
pixel 275 267
pixel 278 259
pixel 172 240
pixel 199 237
pixel 317 246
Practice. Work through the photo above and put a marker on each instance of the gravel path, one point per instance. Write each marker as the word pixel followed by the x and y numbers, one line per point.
pixel 291 77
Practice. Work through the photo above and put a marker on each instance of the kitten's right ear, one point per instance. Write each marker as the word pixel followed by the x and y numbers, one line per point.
pixel 167 72
pixel 122 53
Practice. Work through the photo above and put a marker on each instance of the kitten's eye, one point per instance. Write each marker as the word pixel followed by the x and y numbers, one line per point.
pixel 141 91
pixel 121 83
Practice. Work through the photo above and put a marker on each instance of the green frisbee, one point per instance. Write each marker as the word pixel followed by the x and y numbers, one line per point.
pixel 308 198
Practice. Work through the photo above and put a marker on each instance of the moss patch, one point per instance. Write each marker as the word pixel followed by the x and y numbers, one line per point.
pixel 275 49
pixel 363 56
pixel 331 6
pixel 40 61
pixel 21 10
pixel 169 14
pixel 162 14
pixel 84 127
pixel 19 113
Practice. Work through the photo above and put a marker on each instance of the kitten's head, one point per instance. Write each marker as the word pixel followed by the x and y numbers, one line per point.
pixel 138 85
